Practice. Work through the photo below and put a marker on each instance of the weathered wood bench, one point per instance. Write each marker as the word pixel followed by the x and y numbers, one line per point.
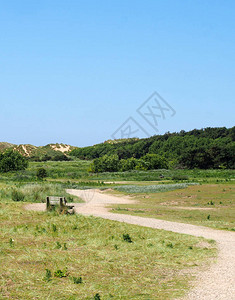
pixel 54 202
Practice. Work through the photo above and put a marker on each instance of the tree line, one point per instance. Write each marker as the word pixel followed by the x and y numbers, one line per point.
pixel 199 148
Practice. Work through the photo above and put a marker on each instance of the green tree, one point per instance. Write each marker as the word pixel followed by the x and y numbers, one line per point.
pixel 155 161
pixel 128 164
pixel 105 163
pixel 12 161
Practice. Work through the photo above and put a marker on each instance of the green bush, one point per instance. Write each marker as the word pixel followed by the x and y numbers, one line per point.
pixel 155 161
pixel 41 173
pixel 128 164
pixel 127 238
pixel 105 163
pixel 12 161
pixel 17 195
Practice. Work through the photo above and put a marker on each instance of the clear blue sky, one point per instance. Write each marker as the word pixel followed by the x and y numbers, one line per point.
pixel 74 71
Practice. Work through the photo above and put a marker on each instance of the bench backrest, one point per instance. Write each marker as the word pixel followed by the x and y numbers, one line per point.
pixel 52 200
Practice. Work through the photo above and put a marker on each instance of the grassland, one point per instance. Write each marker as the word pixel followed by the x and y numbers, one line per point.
pixel 77 170
pixel 156 265
pixel 211 205
pixel 36 248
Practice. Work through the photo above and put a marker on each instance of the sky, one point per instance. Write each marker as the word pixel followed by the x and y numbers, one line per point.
pixel 82 72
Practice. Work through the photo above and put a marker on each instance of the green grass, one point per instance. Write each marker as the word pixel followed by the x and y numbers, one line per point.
pixel 44 255
pixel 56 170
pixel 51 256
pixel 190 205
pixel 33 192
pixel 196 175
pixel 78 170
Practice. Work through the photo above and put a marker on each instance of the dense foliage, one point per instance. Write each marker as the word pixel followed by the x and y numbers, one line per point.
pixel 203 149
pixel 112 163
pixel 49 155
pixel 12 161
pixel 41 173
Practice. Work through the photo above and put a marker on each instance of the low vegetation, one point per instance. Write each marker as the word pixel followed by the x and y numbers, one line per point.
pixel 33 192
pixel 157 188
pixel 209 205
pixel 95 257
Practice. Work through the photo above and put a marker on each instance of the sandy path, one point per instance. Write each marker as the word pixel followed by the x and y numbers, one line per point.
pixel 217 282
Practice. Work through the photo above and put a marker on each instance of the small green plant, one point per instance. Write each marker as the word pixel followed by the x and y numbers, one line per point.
pixel 211 203
pixel 70 199
pixel 61 273
pixel 127 238
pixel 11 242
pixel 170 245
pixel 65 247
pixel 77 280
pixel 54 228
pixel 97 297
pixel 208 217
pixel 48 275
pixel 58 245
pixel 116 247
pixel 17 195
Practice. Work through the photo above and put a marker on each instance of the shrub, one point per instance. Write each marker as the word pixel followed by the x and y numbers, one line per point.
pixel 41 173
pixel 180 177
pixel 155 161
pixel 17 195
pixel 128 164
pixel 127 238
pixel 106 163
pixel 12 161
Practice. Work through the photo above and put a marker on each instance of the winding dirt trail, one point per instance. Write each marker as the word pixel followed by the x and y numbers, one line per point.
pixel 216 282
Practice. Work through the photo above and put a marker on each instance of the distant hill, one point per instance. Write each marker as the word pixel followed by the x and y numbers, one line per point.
pixel 4 146
pixel 41 153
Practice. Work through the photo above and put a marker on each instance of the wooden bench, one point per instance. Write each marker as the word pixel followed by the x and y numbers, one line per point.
pixel 54 202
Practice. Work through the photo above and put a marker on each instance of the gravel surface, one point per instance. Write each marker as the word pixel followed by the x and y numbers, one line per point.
pixel 217 282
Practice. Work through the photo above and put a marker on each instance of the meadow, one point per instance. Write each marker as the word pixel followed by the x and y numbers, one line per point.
pixel 51 256
pixel 45 255
pixel 211 205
